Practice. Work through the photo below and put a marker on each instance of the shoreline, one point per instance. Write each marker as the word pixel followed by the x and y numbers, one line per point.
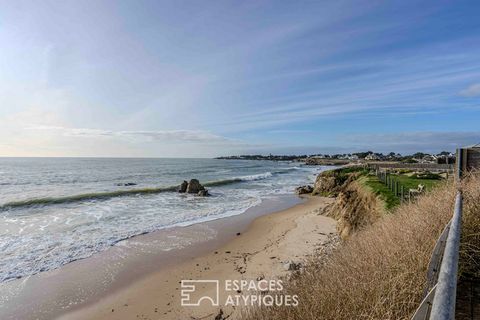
pixel 260 250
pixel 79 288
pixel 77 284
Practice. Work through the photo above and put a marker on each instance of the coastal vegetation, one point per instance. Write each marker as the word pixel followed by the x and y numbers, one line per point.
pixel 379 271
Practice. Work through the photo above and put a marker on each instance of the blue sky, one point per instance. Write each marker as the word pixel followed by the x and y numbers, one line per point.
pixel 208 78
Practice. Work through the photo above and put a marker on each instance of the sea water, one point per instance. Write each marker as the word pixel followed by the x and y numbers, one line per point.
pixel 57 210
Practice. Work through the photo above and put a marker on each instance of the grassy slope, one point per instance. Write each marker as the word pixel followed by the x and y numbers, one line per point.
pixel 381 190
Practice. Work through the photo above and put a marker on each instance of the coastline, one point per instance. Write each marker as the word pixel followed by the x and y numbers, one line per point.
pixel 78 285
pixel 260 250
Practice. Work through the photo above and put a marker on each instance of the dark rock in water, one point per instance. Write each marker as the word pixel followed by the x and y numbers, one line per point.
pixel 127 184
pixel 183 187
pixel 203 193
pixel 304 190
pixel 194 186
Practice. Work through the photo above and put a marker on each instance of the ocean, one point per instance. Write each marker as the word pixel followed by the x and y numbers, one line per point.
pixel 57 210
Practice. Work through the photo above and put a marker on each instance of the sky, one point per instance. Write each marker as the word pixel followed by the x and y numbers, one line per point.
pixel 210 78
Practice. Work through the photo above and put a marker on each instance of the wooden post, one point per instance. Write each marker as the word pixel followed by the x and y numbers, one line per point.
pixel 459 163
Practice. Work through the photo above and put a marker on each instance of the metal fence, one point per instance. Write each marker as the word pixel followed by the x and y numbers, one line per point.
pixel 397 188
pixel 440 294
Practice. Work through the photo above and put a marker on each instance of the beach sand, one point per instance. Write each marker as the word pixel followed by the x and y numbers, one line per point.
pixel 258 252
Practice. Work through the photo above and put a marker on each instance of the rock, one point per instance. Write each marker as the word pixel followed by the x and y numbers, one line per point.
pixel 203 193
pixel 127 184
pixel 183 187
pixel 292 266
pixel 194 186
pixel 331 182
pixel 304 190
pixel 220 316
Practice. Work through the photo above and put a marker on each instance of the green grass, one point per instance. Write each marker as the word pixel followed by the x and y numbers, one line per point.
pixel 391 201
pixel 381 190
pixel 412 183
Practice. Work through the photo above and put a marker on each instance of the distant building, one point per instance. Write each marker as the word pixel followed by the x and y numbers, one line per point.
pixel 372 157
pixel 429 159
pixel 446 158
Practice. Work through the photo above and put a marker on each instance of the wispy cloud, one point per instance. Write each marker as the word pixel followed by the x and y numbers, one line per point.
pixel 471 91
pixel 165 136
pixel 412 141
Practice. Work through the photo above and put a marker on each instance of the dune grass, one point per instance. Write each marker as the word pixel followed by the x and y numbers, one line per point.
pixel 380 272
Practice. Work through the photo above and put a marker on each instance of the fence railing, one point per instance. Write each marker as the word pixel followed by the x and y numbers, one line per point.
pixel 440 296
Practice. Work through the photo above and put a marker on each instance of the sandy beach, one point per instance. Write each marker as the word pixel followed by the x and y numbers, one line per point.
pixel 259 251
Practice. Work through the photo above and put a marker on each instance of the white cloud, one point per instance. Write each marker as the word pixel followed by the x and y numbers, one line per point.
pixel 471 91
pixel 165 136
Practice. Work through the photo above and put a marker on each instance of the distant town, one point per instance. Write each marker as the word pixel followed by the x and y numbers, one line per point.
pixel 443 157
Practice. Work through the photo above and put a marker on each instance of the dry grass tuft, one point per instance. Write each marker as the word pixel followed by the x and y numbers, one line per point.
pixel 380 272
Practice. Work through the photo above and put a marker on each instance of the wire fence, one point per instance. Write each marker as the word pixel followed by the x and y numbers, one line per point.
pixel 397 188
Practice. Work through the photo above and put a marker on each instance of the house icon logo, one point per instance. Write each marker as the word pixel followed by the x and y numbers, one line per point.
pixel 189 288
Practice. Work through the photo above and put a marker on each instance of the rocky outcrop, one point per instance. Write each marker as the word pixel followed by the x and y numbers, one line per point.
pixel 331 182
pixel 193 187
pixel 183 187
pixel 355 205
pixel 312 161
pixel 304 190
